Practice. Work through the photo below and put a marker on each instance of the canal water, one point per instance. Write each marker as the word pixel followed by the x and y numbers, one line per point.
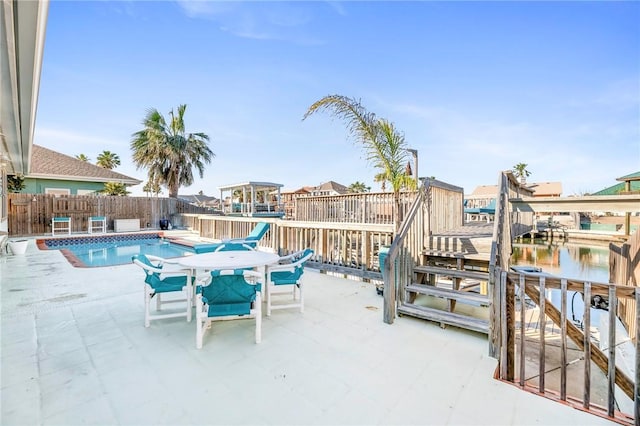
pixel 589 262
pixel 565 259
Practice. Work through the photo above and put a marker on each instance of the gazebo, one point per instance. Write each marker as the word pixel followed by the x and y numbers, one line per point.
pixel 252 199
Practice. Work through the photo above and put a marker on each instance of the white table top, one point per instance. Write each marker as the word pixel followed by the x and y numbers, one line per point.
pixel 234 259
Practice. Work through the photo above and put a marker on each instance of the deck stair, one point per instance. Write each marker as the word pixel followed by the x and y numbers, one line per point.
pixel 453 283
pixel 453 268
pixel 444 317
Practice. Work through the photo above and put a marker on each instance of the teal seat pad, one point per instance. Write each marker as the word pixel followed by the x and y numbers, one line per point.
pixel 228 294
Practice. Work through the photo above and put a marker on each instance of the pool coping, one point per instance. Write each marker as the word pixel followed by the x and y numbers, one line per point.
pixel 77 263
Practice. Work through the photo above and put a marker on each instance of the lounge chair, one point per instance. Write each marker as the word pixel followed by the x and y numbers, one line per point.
pixel 162 276
pixel 234 246
pixel 489 210
pixel 251 240
pixel 227 295
pixel 287 276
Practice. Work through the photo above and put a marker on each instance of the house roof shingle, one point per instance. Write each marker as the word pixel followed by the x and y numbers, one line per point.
pixel 332 186
pixel 49 164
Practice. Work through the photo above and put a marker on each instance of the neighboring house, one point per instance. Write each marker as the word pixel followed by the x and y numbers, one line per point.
pixel 628 184
pixel 484 194
pixel 54 173
pixel 289 196
pixel 201 201
pixel 545 189
pixel 329 188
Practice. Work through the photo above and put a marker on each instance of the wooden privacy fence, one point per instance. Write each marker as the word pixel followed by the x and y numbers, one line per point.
pixel 541 344
pixel 30 214
pixel 351 208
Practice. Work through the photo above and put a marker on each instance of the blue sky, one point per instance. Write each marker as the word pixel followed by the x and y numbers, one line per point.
pixel 476 87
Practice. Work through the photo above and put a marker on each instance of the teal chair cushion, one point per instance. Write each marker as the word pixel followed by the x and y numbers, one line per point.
pixel 287 277
pixel 258 231
pixel 228 294
pixel 163 285
pixel 206 248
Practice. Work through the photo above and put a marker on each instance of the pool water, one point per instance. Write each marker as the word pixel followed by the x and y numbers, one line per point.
pixel 89 252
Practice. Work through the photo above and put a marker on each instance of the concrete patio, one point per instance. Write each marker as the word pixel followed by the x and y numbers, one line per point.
pixel 75 351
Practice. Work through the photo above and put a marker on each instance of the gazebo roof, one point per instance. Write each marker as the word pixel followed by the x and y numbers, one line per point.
pixel 259 186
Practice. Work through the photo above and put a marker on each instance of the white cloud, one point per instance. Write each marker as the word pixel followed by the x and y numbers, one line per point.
pixel 282 21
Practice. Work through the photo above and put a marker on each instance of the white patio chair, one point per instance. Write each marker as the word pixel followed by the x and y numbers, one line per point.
pixel 287 276
pixel 227 295
pixel 162 276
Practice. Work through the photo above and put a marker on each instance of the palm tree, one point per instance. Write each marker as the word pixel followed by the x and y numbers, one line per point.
pixel 152 188
pixel 114 188
pixel 381 178
pixel 108 160
pixel 384 145
pixel 358 187
pixel 168 152
pixel 83 157
pixel 521 172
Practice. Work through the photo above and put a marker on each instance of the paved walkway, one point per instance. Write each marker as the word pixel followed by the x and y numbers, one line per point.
pixel 75 352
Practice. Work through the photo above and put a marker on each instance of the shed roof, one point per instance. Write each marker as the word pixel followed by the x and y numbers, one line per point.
pixel 618 188
pixel 49 164
pixel 630 177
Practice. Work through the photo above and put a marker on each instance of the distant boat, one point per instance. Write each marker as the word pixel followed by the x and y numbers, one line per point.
pixel 597 301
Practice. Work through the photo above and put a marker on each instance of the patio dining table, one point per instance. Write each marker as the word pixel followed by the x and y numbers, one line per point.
pixel 234 259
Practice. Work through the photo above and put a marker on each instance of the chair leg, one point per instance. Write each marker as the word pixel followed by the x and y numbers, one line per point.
pixel 258 304
pixel 199 332
pixel 158 302
pixel 189 307
pixel 267 297
pixel 147 306
pixel 301 296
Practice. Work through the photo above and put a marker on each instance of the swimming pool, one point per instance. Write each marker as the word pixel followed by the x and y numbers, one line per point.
pixel 112 250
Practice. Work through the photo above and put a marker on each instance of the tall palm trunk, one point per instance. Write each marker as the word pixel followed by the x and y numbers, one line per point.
pixel 397 217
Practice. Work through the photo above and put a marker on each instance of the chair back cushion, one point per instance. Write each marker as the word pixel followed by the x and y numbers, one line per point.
pixel 258 231
pixel 292 277
pixel 165 285
pixel 229 294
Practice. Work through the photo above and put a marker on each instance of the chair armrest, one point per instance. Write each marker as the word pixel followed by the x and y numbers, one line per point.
pixel 253 277
pixel 158 259
pixel 284 267
pixel 284 260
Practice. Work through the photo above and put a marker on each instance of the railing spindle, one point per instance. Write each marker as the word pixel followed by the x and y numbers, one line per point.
pixel 563 343
pixel 543 322
pixel 611 392
pixel 504 350
pixel 637 384
pixel 523 307
pixel 586 322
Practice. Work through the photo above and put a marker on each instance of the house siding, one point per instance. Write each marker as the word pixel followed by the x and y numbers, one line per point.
pixel 38 186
